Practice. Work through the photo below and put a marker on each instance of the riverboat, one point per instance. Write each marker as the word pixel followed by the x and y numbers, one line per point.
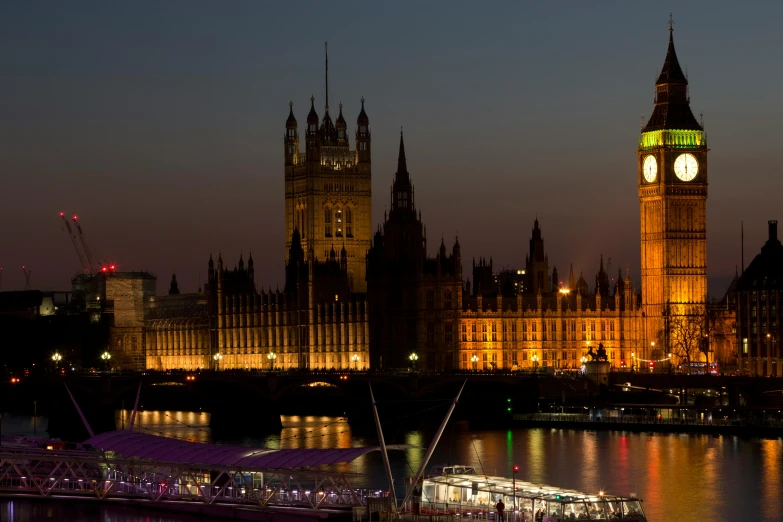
pixel 475 496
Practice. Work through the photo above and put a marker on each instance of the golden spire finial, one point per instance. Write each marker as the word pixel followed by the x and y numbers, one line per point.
pixel 671 24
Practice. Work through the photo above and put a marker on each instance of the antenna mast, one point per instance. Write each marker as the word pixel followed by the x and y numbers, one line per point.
pixel 326 55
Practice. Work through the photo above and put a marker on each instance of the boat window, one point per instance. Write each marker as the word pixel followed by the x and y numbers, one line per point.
pixel 632 509
pixel 575 511
pixel 554 509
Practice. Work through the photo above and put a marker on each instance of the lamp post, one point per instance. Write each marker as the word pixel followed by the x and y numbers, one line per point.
pixel 271 356
pixel 57 358
pixel 474 360
pixel 633 361
pixel 355 360
pixel 217 358
pixel 515 469
pixel 413 358
pixel 535 362
pixel 106 356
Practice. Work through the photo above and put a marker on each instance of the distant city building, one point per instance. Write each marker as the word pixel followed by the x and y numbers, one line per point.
pixel 759 292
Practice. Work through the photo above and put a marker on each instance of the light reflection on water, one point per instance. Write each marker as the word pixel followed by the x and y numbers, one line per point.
pixel 688 478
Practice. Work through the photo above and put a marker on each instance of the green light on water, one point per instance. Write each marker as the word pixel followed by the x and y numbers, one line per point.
pixel 678 139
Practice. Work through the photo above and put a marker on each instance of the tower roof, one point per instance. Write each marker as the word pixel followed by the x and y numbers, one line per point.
pixel 402 164
pixel 312 117
pixel 291 119
pixel 340 119
pixel 672 105
pixel 362 115
pixel 671 71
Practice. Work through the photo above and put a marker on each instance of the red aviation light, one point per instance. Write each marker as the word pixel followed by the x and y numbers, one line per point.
pixel 103 269
pixel 516 469
pixel 75 217
pixel 112 268
pixel 62 214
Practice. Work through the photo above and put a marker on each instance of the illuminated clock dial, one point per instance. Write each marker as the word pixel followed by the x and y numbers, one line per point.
pixel 650 168
pixel 686 167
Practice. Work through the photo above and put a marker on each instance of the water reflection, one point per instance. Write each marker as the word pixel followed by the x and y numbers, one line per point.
pixel 688 478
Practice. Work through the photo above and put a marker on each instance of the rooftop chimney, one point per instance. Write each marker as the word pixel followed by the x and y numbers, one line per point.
pixel 773 229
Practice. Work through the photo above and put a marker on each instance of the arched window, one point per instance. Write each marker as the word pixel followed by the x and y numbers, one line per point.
pixel 328 222
pixel 338 222
pixel 348 222
pixel 430 299
pixel 447 300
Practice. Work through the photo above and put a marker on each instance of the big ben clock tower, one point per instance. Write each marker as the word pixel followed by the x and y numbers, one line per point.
pixel 672 164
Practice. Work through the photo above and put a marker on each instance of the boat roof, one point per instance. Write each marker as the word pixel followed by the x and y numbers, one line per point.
pixel 146 446
pixel 523 489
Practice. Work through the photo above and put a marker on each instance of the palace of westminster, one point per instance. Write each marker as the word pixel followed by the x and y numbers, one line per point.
pixel 360 299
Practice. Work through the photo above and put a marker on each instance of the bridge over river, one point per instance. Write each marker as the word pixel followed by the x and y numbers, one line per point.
pixel 252 402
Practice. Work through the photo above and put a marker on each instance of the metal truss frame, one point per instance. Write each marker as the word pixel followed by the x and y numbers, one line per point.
pixel 105 475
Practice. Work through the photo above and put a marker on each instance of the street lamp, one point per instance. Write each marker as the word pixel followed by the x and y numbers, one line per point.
pixel 514 487
pixel 106 356
pixel 57 358
pixel 474 360
pixel 217 358
pixel 355 360
pixel 535 362
pixel 271 356
pixel 413 358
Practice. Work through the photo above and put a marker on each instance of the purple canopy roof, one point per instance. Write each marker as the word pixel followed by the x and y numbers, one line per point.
pixel 145 446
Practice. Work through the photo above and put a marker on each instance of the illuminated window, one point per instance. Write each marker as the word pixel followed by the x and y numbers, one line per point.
pixel 464 332
pixel 514 331
pixel 483 331
pixel 338 222
pixel 328 222
pixel 494 332
pixel 348 222
pixel 473 331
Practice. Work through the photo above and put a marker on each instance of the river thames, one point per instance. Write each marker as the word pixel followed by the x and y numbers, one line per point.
pixel 683 478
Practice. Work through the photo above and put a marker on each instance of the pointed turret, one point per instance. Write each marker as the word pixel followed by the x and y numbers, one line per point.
pixel 672 105
pixel 402 189
pixel 174 287
pixel 363 137
pixel 342 135
pixel 311 137
pixel 571 279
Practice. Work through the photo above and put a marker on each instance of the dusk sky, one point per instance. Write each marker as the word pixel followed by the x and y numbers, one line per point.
pixel 161 124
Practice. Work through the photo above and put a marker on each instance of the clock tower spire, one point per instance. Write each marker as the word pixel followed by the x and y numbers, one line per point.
pixel 672 181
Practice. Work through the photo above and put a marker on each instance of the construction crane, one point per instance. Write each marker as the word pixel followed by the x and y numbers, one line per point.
pixel 85 267
pixel 83 239
pixel 27 273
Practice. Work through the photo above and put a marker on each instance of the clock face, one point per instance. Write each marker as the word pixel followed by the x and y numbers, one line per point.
pixel 650 168
pixel 686 167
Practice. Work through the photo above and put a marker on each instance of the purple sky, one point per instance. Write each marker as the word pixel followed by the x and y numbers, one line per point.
pixel 161 124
